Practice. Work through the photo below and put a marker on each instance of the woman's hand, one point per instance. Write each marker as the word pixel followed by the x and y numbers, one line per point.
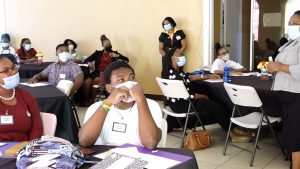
pixel 214 77
pixel 273 67
pixel 238 73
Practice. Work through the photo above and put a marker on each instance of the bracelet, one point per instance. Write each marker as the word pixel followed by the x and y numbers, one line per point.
pixel 105 107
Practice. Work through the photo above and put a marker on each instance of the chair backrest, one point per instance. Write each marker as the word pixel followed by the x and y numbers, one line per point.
pixel 243 95
pixel 65 86
pixel 49 123
pixel 164 130
pixel 173 88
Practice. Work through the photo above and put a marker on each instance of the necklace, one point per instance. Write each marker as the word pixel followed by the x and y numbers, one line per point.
pixel 9 98
pixel 122 117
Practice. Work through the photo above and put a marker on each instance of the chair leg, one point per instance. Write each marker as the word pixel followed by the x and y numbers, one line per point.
pixel 255 145
pixel 227 138
pixel 74 110
pixel 277 138
pixel 184 131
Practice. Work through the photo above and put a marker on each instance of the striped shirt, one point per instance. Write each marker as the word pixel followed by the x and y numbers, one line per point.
pixel 57 71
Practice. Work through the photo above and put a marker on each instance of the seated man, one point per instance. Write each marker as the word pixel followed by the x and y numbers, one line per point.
pixel 224 60
pixel 126 116
pixel 63 69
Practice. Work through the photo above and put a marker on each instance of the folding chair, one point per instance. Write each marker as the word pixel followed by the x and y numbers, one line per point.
pixel 248 97
pixel 49 123
pixel 65 86
pixel 176 89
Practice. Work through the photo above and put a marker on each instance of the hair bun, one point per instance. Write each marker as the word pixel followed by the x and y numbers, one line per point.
pixel 217 46
pixel 103 37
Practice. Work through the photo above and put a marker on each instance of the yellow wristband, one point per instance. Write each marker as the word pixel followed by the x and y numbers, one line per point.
pixel 105 107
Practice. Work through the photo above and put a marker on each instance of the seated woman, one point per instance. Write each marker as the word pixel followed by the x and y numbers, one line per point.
pixel 26 53
pixel 72 46
pixel 101 58
pixel 201 102
pixel 20 114
pixel 223 60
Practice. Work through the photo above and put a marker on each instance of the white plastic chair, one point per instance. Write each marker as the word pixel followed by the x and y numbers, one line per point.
pixel 66 86
pixel 176 89
pixel 49 121
pixel 248 97
pixel 164 130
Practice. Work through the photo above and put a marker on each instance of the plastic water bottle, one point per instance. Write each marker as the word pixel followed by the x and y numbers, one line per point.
pixel 226 75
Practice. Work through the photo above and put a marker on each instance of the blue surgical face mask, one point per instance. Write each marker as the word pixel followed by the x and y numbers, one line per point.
pixel 168 27
pixel 293 32
pixel 181 61
pixel 11 81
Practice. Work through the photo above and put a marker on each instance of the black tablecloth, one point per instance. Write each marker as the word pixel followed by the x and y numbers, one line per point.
pixel 29 70
pixel 52 100
pixel 216 91
pixel 191 164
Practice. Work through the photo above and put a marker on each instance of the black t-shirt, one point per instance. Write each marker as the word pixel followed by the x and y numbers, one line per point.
pixel 177 105
pixel 168 42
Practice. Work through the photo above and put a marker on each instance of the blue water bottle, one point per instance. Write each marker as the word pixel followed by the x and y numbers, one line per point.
pixel 226 75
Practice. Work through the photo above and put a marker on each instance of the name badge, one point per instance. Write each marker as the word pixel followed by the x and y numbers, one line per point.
pixel 119 127
pixel 6 120
pixel 62 76
pixel 178 37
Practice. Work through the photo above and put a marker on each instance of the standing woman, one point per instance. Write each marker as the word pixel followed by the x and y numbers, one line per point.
pixel 287 84
pixel 20 114
pixel 171 37
pixel 26 53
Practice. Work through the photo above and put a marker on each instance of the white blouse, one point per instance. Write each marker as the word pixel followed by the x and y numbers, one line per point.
pixel 289 54
pixel 219 64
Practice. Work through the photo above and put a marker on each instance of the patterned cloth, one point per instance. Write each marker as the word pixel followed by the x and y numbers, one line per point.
pixel 57 71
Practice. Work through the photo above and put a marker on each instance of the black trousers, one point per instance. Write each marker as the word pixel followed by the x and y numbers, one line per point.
pixel 290 109
pixel 204 108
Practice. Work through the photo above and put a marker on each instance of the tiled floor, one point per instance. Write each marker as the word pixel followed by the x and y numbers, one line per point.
pixel 268 156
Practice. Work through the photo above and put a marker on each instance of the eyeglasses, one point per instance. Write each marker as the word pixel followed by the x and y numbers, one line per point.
pixel 223 53
pixel 7 70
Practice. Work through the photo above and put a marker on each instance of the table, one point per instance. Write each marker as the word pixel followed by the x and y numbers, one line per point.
pixel 29 70
pixel 191 164
pixel 52 100
pixel 216 91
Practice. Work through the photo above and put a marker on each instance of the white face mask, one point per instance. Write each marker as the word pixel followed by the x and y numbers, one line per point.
pixel 11 81
pixel 225 57
pixel 293 32
pixel 168 27
pixel 5 45
pixel 71 47
pixel 64 56
pixel 181 61
pixel 128 85
pixel 27 47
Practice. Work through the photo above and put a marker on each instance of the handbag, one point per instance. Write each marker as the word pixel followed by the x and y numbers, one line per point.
pixel 198 140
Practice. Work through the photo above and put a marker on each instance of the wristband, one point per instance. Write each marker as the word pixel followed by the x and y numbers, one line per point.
pixel 105 107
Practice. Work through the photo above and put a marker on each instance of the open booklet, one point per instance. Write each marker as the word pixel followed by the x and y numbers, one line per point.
pixel 35 84
pixel 139 157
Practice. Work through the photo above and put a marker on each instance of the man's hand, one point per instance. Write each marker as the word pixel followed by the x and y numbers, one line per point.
pixel 117 95
pixel 32 80
pixel 137 93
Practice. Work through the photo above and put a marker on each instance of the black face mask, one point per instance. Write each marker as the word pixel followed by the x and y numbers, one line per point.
pixel 108 48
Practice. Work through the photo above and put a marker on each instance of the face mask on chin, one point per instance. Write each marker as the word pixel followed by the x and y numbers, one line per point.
pixel 11 81
pixel 293 32
pixel 64 56
pixel 128 85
